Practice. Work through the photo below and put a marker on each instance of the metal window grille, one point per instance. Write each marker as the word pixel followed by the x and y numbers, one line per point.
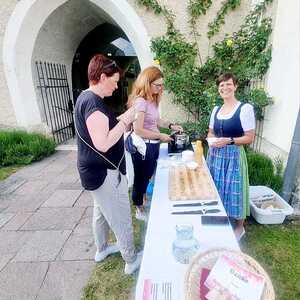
pixel 56 100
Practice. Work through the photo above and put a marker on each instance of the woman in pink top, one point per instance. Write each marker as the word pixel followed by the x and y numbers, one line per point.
pixel 145 96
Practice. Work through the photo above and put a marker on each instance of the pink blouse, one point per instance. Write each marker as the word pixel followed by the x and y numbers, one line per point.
pixel 151 113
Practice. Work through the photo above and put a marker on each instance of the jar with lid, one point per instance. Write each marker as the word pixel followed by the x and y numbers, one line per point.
pixel 185 246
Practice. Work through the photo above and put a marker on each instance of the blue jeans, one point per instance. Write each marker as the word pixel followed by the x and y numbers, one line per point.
pixel 143 170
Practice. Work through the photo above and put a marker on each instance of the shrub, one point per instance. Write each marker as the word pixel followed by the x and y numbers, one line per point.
pixel 19 147
pixel 263 172
pixel 196 130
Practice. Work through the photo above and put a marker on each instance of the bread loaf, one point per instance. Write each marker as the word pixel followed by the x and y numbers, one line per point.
pixel 187 184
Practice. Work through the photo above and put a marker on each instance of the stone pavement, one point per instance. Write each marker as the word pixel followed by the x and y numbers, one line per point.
pixel 46 241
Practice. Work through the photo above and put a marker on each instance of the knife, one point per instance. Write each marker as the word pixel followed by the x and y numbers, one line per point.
pixel 196 204
pixel 197 212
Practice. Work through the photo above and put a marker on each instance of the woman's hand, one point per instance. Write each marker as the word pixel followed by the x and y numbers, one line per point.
pixel 176 128
pixel 128 116
pixel 165 137
pixel 221 142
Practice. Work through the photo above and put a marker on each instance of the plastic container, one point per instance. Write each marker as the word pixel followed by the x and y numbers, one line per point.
pixel 266 206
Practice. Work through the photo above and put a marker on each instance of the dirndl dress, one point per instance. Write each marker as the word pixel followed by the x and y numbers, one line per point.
pixel 228 167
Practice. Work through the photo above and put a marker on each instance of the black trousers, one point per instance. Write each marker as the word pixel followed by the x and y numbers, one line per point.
pixel 144 168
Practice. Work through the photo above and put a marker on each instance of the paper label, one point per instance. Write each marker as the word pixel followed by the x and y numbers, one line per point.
pixel 230 277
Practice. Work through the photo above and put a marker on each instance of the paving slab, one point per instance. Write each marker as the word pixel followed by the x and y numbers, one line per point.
pixel 16 221
pixel 67 178
pixel 46 240
pixel 65 280
pixel 84 200
pixel 5 217
pixel 78 247
pixel 22 281
pixel 70 186
pixel 25 203
pixel 30 201
pixel 84 227
pixel 63 218
pixel 4 259
pixel 12 241
pixel 4 203
pixel 31 186
pixel 10 184
pixel 43 246
pixel 62 198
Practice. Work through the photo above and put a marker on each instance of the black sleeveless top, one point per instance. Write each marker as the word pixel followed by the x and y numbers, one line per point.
pixel 91 166
pixel 229 127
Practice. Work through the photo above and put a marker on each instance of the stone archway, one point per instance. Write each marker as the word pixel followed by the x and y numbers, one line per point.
pixel 19 41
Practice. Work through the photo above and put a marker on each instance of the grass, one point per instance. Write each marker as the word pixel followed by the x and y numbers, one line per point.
pixel 108 281
pixel 7 171
pixel 21 148
pixel 276 248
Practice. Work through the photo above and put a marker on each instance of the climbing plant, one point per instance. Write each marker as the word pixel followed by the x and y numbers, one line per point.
pixel 197 8
pixel 215 25
pixel 246 53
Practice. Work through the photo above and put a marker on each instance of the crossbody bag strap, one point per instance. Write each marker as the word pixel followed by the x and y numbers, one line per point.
pixel 86 143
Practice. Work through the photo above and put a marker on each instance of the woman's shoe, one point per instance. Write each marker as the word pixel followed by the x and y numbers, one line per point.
pixel 110 249
pixel 243 232
pixel 140 214
pixel 132 267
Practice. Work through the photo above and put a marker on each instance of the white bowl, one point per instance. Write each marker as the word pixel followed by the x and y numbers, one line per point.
pixel 187 155
pixel 211 140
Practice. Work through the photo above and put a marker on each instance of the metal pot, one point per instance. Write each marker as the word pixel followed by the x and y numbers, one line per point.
pixel 181 140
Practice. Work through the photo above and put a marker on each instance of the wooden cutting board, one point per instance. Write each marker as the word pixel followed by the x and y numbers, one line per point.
pixel 187 184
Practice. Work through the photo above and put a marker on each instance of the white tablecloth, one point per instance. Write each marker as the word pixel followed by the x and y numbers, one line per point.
pixel 158 263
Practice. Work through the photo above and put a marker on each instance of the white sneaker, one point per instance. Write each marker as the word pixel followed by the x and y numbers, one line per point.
pixel 140 215
pixel 132 267
pixel 113 248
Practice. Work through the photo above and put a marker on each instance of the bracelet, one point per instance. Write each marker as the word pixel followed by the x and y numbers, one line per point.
pixel 170 125
pixel 231 141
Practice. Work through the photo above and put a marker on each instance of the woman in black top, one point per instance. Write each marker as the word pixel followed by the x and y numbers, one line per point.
pixel 101 162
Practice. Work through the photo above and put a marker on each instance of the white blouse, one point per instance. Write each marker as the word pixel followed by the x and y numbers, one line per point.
pixel 247 116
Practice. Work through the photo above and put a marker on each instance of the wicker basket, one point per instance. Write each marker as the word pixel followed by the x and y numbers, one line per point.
pixel 208 259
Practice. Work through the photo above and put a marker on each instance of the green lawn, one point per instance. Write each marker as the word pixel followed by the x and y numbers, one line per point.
pixel 7 171
pixel 277 249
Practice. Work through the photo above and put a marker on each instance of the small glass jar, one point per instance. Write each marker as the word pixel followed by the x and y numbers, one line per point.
pixel 185 245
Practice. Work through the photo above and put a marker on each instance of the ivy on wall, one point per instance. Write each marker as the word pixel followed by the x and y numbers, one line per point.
pixel 215 25
pixel 196 8
pixel 245 53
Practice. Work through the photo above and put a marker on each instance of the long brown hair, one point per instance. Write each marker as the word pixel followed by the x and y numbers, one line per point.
pixel 142 85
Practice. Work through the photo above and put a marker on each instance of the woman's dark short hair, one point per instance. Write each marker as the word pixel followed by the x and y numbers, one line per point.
pixel 100 64
pixel 226 77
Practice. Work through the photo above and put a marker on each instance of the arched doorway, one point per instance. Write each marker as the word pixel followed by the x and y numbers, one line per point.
pixel 52 31
pixel 111 41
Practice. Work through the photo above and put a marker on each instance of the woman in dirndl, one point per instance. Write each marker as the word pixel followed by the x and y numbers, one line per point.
pixel 233 123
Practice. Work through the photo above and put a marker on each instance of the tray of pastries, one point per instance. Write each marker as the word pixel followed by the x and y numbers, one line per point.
pixel 188 184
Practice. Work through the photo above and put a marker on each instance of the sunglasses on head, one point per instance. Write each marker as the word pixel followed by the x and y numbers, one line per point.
pixel 110 64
